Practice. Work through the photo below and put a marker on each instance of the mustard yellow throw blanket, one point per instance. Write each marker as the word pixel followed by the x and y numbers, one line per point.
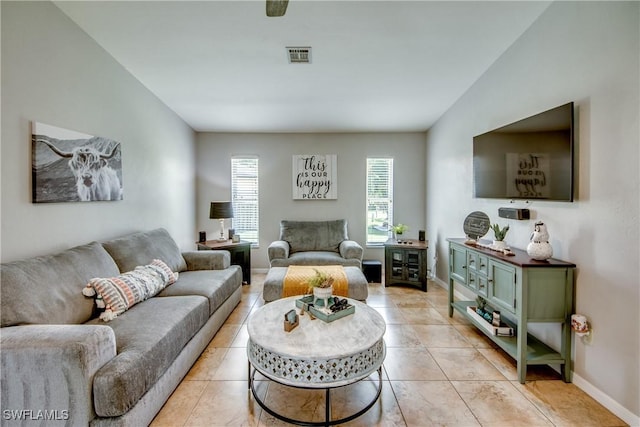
pixel 297 277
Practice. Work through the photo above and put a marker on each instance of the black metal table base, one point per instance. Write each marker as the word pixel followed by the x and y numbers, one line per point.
pixel 327 412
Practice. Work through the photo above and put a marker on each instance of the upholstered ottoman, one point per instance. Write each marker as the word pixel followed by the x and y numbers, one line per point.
pixel 358 286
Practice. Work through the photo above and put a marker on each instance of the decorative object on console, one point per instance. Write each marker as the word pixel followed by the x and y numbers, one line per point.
pixel 202 236
pixel 481 302
pixel 499 233
pixel 69 166
pixel 221 211
pixel 398 230
pixel 539 248
pixel 476 225
pixel 501 329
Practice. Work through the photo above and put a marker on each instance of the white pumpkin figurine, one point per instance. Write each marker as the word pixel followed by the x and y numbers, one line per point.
pixel 539 248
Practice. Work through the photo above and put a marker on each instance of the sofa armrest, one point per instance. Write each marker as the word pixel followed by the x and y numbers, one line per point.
pixel 207 260
pixel 51 368
pixel 278 249
pixel 350 249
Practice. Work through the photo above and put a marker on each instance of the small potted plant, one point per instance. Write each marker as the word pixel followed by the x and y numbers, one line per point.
pixel 321 285
pixel 499 235
pixel 398 230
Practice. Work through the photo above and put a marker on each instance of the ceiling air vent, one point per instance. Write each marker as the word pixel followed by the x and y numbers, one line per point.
pixel 299 55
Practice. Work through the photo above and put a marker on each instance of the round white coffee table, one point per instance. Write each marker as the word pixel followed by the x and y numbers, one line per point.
pixel 316 354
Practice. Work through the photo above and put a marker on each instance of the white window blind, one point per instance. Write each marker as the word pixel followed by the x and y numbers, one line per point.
pixel 379 199
pixel 244 195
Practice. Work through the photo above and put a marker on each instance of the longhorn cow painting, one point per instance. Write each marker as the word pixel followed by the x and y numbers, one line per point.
pixel 69 166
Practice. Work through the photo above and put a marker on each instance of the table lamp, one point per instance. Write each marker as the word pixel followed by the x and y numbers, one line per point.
pixel 221 211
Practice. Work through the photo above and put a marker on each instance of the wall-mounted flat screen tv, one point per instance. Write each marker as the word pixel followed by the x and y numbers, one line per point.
pixel 531 159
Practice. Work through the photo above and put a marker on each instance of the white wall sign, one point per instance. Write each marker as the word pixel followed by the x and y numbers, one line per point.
pixel 315 176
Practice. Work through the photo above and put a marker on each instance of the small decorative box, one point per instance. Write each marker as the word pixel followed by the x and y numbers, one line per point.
pixel 291 320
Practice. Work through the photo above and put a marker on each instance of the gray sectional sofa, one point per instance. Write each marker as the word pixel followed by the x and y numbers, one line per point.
pixel 314 243
pixel 60 359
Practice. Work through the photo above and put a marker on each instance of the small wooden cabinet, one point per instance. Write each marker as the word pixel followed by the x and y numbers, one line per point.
pixel 240 254
pixel 524 291
pixel 406 263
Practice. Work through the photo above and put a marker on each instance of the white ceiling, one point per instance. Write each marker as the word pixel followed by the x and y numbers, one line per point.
pixel 380 66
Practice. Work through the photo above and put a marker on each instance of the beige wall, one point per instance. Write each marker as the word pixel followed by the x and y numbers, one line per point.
pixel 586 52
pixel 52 72
pixel 214 151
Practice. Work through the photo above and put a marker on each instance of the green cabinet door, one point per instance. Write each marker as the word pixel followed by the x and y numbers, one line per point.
pixel 458 264
pixel 502 285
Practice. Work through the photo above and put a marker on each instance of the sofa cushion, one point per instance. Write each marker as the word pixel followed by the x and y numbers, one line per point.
pixel 148 339
pixel 48 289
pixel 315 258
pixel 141 248
pixel 124 291
pixel 215 285
pixel 313 235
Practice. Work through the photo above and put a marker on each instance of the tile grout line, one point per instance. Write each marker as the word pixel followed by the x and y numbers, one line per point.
pixel 405 303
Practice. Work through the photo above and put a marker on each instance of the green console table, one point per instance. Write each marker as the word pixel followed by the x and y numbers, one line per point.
pixel 523 290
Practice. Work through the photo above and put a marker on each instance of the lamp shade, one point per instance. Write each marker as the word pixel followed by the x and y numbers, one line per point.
pixel 220 210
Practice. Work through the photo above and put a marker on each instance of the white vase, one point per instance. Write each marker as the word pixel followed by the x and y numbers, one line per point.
pixel 499 245
pixel 322 294
pixel 540 250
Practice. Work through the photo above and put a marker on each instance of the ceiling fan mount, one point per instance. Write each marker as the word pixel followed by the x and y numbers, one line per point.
pixel 276 7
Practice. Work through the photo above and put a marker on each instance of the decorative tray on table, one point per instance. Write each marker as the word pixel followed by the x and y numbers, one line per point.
pixel 306 304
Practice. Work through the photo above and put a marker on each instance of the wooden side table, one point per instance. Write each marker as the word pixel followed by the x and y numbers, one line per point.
pixel 240 254
pixel 406 262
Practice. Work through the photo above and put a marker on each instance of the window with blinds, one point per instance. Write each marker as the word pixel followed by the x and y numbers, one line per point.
pixel 379 199
pixel 244 195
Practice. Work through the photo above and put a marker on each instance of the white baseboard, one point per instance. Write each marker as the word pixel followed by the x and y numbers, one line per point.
pixel 605 400
pixel 601 397
pixel 440 283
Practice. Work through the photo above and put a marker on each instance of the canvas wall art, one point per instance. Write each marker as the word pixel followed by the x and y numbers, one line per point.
pixel 69 166
pixel 315 176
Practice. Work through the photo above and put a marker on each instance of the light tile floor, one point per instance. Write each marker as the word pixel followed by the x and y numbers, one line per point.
pixel 439 371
